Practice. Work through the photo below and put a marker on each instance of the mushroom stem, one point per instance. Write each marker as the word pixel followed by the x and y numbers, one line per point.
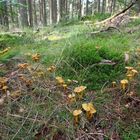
pixel 123 86
pixel 71 98
pixel 76 120
pixel 113 84
pixel 88 115
pixel 80 95
pixel 76 114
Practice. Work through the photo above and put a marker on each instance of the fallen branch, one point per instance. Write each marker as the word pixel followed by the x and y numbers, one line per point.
pixel 118 14
pixel 113 22
pixel 104 30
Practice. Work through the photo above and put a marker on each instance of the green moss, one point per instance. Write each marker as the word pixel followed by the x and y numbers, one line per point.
pixel 83 59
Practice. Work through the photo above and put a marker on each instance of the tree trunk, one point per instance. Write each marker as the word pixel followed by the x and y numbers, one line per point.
pixel 5 20
pixel 35 15
pixel 11 11
pixel 44 13
pixel 87 8
pixel 23 13
pixel 99 6
pixel 104 6
pixel 79 8
pixel 30 13
pixel 53 11
pixel 113 6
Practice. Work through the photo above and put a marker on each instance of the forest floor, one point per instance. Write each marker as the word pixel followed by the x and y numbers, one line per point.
pixel 35 103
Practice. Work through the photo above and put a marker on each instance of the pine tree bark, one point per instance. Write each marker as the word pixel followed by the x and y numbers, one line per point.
pixel 34 11
pixel 99 6
pixel 30 8
pixel 5 14
pixel 87 8
pixel 44 13
pixel 53 11
pixel 23 13
pixel 104 6
pixel 79 8
pixel 11 11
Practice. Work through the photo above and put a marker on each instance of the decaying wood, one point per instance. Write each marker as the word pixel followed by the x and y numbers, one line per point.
pixel 113 22
pixel 104 30
pixel 117 17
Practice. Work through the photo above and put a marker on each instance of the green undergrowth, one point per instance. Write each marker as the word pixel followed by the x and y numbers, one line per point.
pixel 76 56
pixel 82 59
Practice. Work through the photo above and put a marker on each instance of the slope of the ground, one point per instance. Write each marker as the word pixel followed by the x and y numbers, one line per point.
pixel 34 106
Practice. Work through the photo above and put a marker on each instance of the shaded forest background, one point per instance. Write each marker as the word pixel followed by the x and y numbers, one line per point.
pixel 39 13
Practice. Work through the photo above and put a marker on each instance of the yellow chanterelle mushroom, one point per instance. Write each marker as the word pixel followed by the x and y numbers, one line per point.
pixel 114 84
pixel 79 90
pixel 90 110
pixel 60 80
pixel 71 98
pixel 124 83
pixel 76 114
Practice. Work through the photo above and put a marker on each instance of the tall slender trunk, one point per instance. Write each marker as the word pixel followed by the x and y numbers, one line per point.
pixel 5 14
pixel 87 8
pixel 44 13
pixel 30 8
pixel 53 11
pixel 34 11
pixel 23 13
pixel 11 11
pixel 99 6
pixel 104 6
pixel 79 8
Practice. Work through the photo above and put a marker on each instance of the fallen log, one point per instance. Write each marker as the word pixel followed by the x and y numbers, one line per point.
pixel 120 14
pixel 104 30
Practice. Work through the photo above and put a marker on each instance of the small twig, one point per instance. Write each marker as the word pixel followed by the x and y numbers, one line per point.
pixel 21 117
pixel 21 126
pixel 33 123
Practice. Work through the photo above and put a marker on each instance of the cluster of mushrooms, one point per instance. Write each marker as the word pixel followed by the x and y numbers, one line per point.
pixel 130 75
pixel 3 84
pixel 36 57
pixel 78 94
pixel 88 109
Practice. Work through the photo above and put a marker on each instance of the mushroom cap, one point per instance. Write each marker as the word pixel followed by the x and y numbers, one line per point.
pixel 88 107
pixel 79 89
pixel 71 95
pixel 129 68
pixel 77 112
pixel 135 71
pixel 93 110
pixel 3 80
pixel 129 75
pixel 22 66
pixel 113 82
pixel 36 56
pixel 51 68
pixel 124 81
pixel 4 87
pixel 64 85
pixel 59 80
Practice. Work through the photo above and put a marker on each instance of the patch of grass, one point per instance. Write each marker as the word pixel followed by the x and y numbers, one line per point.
pixel 78 57
pixel 8 55
pixel 130 132
pixel 134 23
pixel 84 55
